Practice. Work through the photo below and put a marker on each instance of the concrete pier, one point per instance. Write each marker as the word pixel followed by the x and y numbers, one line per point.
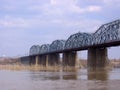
pixel 32 60
pixel 39 60
pixel 70 59
pixel 53 59
pixel 91 62
pixel 97 58
pixel 101 57
pixel 36 60
pixel 43 60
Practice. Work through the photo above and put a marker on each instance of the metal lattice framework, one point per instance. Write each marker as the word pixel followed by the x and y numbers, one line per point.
pixel 44 48
pixel 57 45
pixel 107 33
pixel 35 49
pixel 78 40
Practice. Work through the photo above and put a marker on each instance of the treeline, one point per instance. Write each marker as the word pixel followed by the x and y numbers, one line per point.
pixel 8 60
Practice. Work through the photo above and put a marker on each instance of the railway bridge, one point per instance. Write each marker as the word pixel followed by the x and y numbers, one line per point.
pixel 96 43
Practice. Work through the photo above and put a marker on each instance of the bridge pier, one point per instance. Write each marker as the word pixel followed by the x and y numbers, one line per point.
pixel 32 60
pixel 54 59
pixel 70 60
pixel 43 60
pixel 97 58
pixel 39 60
pixel 36 60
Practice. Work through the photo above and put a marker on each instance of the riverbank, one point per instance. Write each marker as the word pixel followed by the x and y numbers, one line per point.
pixel 15 64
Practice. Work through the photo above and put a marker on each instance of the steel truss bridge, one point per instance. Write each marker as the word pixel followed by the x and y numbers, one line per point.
pixel 106 35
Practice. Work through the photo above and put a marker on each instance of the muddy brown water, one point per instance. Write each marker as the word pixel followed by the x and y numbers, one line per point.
pixel 80 80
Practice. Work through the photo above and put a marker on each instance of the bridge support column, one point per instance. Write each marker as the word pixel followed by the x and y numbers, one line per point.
pixel 91 63
pixel 32 60
pixel 54 59
pixel 70 60
pixel 36 60
pixel 43 60
pixel 97 58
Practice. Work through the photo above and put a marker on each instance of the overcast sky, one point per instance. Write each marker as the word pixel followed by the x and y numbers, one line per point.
pixel 24 23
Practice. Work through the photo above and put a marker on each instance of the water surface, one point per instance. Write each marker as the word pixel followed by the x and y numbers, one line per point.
pixel 79 80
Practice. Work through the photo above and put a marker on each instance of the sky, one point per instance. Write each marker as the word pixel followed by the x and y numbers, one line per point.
pixel 24 23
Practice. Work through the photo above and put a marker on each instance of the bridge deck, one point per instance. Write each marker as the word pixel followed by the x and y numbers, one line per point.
pixel 108 44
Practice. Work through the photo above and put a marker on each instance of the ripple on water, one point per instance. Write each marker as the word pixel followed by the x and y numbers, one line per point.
pixel 80 80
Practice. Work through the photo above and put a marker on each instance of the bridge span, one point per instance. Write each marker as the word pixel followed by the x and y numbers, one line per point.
pixel 107 35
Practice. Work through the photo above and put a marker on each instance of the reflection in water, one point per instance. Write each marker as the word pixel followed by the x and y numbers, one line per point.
pixel 101 75
pixel 81 80
pixel 53 76
pixel 98 75
pixel 70 77
pixel 81 74
pixel 36 76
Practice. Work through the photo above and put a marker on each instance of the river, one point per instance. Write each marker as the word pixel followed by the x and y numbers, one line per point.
pixel 79 80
